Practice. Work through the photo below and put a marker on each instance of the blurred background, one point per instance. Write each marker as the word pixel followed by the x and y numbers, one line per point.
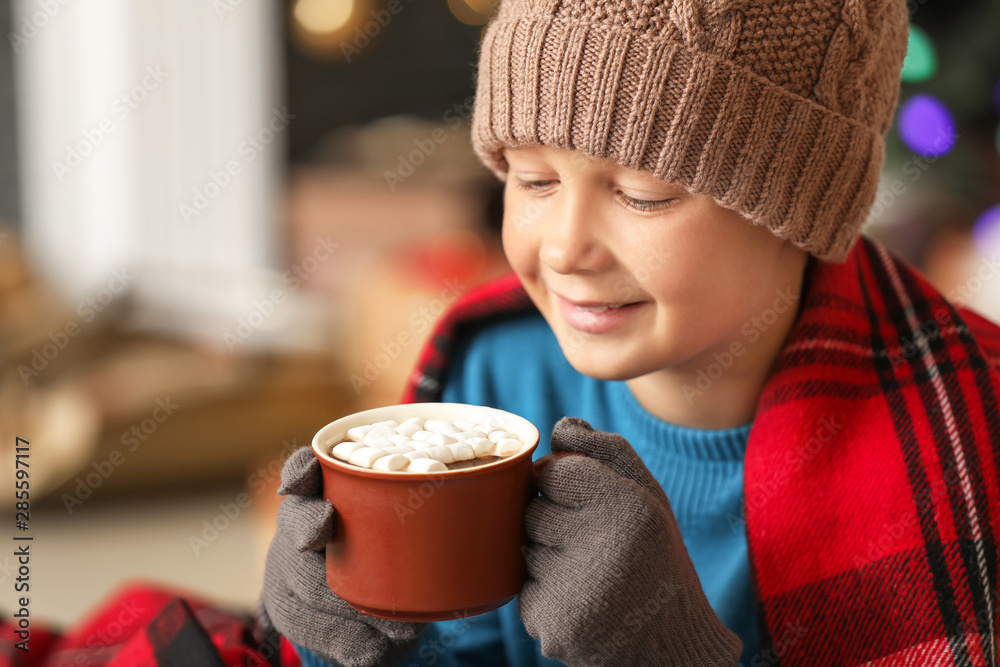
pixel 225 223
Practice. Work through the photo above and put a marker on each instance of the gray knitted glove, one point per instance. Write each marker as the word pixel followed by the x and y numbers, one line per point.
pixel 609 579
pixel 296 600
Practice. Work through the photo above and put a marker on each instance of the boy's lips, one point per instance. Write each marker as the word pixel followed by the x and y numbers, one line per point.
pixel 595 316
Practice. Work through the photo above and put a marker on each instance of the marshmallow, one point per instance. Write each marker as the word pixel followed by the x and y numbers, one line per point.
pixel 441 453
pixel 391 463
pixel 408 429
pixel 468 435
pixel 420 444
pixel 344 450
pixel 378 432
pixel 366 456
pixel 440 439
pixel 435 424
pixel 506 447
pixel 462 451
pixel 426 465
pixel 432 445
pixel 440 426
pixel 358 433
pixel 480 446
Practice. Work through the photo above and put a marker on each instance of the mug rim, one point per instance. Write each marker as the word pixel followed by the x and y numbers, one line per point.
pixel 322 439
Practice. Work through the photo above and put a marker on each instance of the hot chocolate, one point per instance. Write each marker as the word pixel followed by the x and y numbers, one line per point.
pixel 425 445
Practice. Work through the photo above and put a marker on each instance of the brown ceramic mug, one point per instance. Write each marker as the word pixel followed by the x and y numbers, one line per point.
pixel 427 546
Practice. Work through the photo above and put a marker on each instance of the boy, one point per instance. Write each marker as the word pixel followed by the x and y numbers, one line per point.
pixel 692 307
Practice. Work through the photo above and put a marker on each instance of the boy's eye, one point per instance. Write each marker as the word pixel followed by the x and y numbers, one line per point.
pixel 638 204
pixel 532 185
pixel 647 204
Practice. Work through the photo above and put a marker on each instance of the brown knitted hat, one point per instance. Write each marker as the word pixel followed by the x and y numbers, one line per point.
pixel 776 108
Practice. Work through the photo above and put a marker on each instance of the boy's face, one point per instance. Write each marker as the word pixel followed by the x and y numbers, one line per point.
pixel 693 276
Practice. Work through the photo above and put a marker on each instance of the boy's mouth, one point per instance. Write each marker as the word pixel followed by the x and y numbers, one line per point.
pixel 596 306
pixel 595 316
pixel 599 309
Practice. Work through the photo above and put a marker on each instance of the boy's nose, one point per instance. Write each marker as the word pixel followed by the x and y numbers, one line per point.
pixel 568 243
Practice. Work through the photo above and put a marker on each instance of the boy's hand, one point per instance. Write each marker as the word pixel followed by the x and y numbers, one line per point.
pixel 609 579
pixel 296 600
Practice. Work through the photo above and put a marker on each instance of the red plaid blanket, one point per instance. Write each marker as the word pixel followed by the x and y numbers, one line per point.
pixel 872 497
pixel 871 493
pixel 147 625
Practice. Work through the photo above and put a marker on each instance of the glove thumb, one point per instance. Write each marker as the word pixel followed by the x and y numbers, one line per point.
pixel 571 434
pixel 301 474
pixel 307 521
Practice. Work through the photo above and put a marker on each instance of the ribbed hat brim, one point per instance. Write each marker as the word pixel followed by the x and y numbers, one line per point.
pixel 806 173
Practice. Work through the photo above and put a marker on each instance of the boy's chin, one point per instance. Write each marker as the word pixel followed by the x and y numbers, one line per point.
pixel 599 367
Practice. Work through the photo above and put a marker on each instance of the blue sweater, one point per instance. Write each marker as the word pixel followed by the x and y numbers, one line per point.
pixel 518 366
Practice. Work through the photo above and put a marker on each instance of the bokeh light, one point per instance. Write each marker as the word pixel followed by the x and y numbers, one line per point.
pixel 322 16
pixel 926 126
pixel 986 232
pixel 470 12
pixel 921 57
pixel 482 6
pixel 996 95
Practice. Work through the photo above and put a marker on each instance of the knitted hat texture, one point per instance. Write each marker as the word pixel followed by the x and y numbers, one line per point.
pixel 777 109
